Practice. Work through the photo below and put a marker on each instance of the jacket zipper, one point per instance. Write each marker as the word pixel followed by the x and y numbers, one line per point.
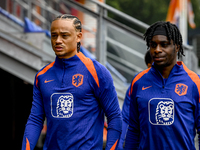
pixel 62 84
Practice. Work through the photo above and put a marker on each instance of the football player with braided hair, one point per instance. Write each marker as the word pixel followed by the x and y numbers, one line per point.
pixel 172 33
pixel 164 99
pixel 77 25
pixel 73 93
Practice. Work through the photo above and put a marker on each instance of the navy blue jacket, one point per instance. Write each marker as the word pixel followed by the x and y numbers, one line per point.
pixel 164 114
pixel 73 94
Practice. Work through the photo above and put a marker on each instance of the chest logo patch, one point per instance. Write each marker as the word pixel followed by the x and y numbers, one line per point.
pixel 161 111
pixel 181 89
pixel 62 105
pixel 77 80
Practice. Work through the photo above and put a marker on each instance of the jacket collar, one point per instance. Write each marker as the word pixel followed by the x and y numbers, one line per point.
pixel 65 63
pixel 177 69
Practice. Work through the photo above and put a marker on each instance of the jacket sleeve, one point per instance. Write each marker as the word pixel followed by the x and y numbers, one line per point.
pixel 133 133
pixel 198 123
pixel 35 121
pixel 109 102
pixel 197 113
pixel 125 119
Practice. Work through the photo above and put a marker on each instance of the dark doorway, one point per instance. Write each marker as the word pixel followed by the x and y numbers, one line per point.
pixel 16 100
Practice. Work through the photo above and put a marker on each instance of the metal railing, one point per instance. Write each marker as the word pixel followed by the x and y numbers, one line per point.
pixel 126 56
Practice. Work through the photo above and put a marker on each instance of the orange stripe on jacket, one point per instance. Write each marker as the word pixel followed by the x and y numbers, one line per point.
pixel 137 78
pixel 89 65
pixel 43 71
pixel 27 145
pixel 193 76
pixel 114 146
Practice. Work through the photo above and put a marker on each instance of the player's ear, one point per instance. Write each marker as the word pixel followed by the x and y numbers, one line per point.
pixel 79 36
pixel 177 48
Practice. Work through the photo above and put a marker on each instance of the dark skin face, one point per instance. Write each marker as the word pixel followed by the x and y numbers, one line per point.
pixel 164 54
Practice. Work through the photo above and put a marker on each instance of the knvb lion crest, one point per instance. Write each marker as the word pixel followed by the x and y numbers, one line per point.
pixel 77 80
pixel 165 113
pixel 161 111
pixel 62 105
pixel 181 89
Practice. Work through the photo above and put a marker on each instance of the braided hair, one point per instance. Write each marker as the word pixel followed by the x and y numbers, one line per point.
pixel 173 34
pixel 76 22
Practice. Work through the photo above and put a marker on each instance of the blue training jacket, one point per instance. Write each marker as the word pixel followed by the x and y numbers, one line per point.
pixel 125 120
pixel 164 114
pixel 73 94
